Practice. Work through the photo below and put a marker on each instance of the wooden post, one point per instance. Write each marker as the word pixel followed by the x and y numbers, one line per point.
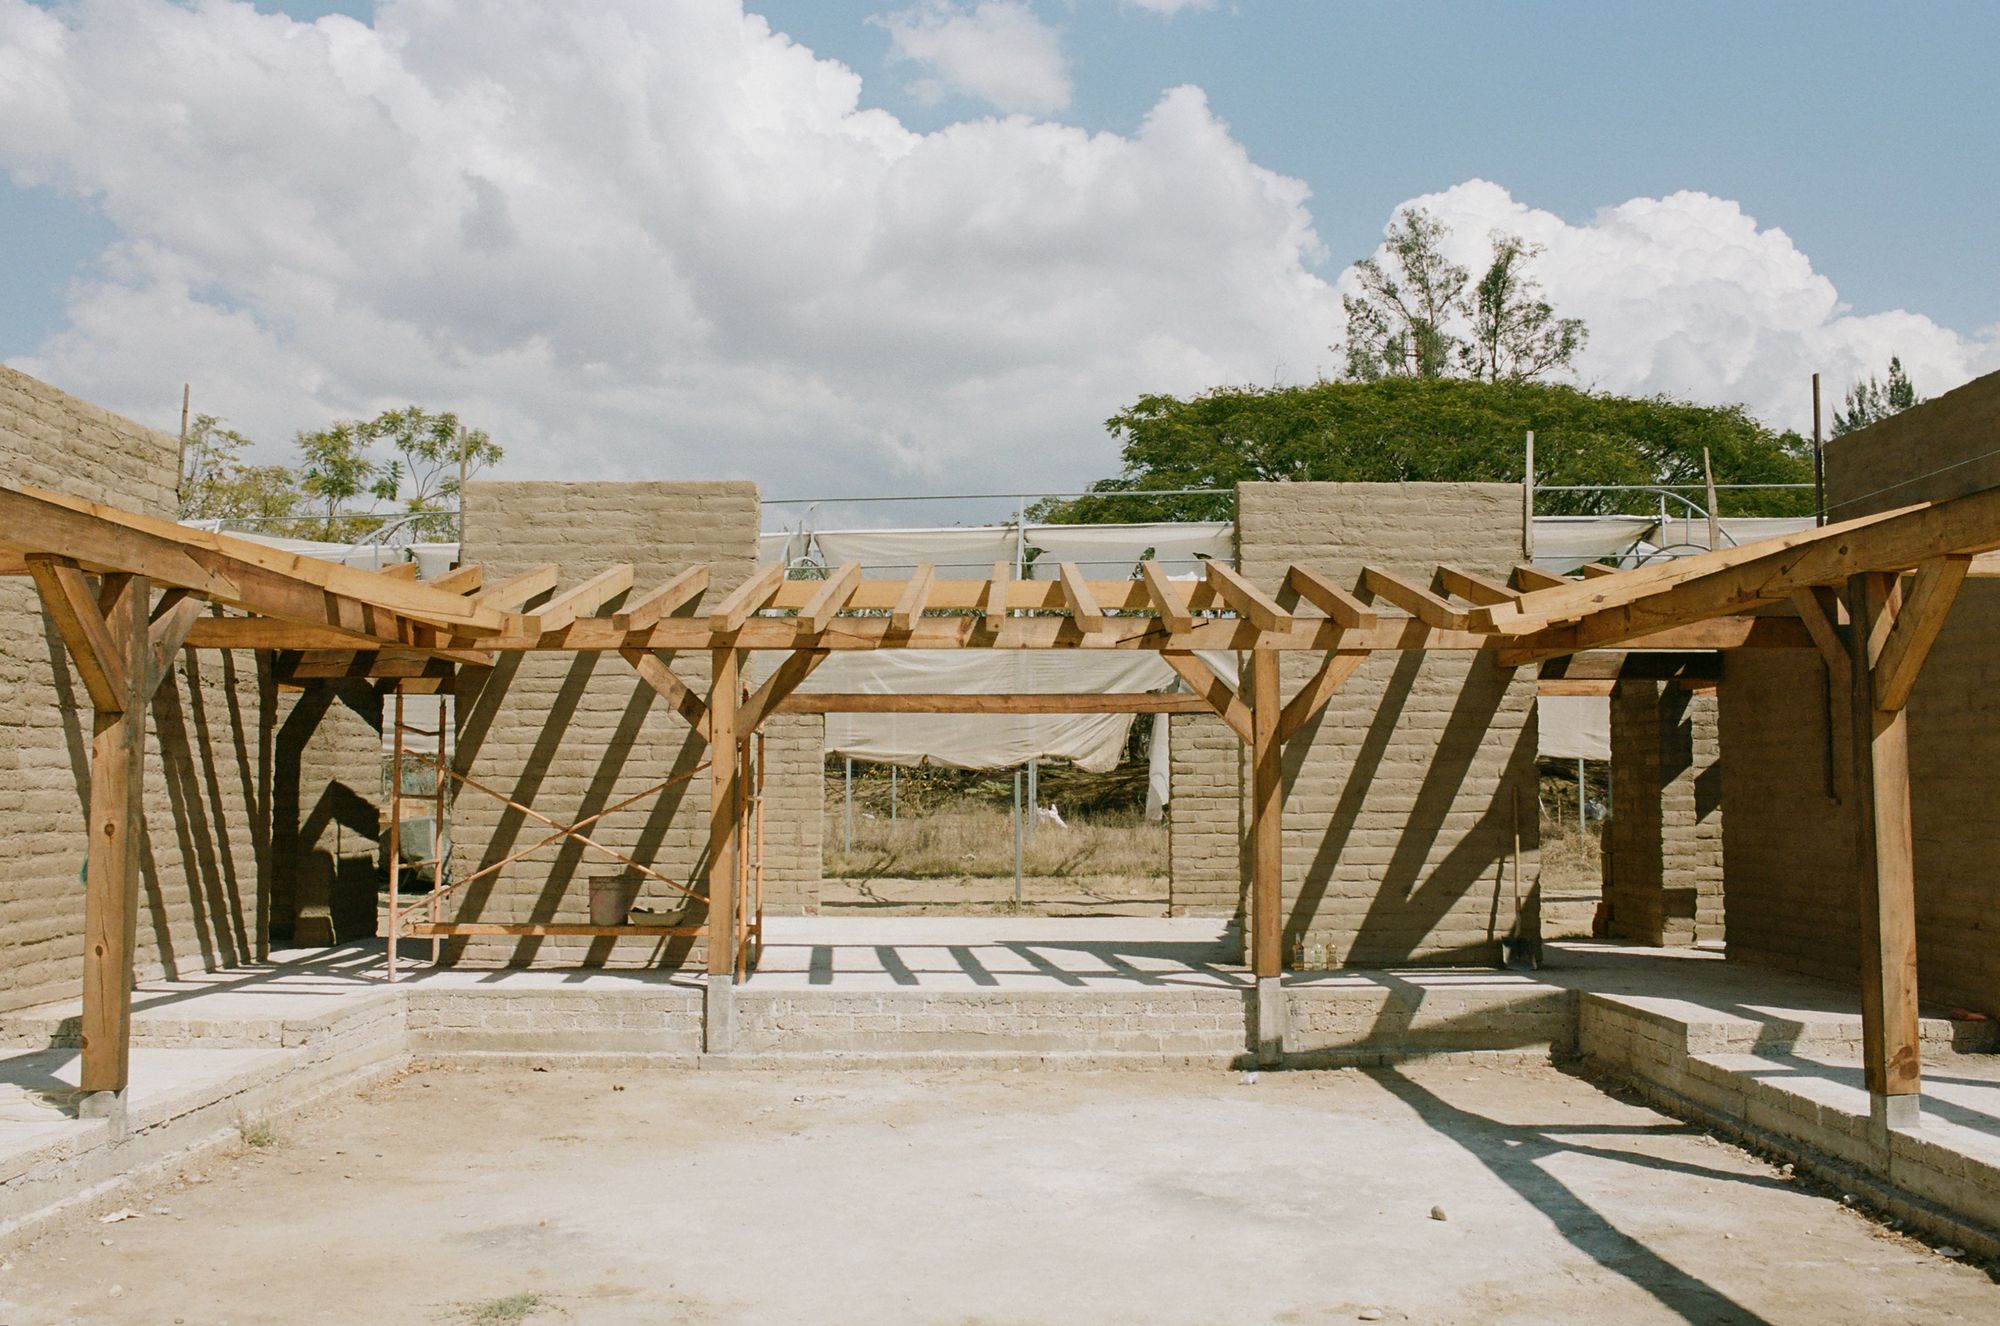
pixel 723 810
pixel 1267 859
pixel 1888 880
pixel 396 832
pixel 111 872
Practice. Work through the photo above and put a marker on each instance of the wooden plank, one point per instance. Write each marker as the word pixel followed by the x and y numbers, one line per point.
pixel 1593 686
pixel 372 664
pixel 910 603
pixel 1596 570
pixel 1082 604
pixel 166 634
pixel 72 606
pixel 1245 599
pixel 1812 605
pixel 398 571
pixel 1891 1062
pixel 784 679
pixel 1918 622
pixel 724 800
pixel 1339 605
pixel 1635 665
pixel 1420 603
pixel 111 863
pixel 655 672
pixel 831 596
pixel 746 600
pixel 663 600
pixel 1047 702
pixel 518 589
pixel 1213 691
pixel 581 600
pixel 1333 671
pixel 236 570
pixel 1473 587
pixel 460 580
pixel 1168 603
pixel 1760 632
pixel 1527 577
pixel 1267 806
pixel 993 602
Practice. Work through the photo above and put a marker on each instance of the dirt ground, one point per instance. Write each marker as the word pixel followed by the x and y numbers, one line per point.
pixel 1428 1194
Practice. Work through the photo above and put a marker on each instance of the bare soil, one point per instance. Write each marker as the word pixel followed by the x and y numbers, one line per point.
pixel 1430 1194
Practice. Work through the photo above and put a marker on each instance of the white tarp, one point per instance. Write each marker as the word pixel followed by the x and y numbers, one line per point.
pixel 777 549
pixel 1113 552
pixel 1563 543
pixel 1574 727
pixel 959 552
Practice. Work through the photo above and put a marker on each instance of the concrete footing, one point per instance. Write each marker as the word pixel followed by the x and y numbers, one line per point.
pixel 718 1015
pixel 1273 1019
pixel 1886 1112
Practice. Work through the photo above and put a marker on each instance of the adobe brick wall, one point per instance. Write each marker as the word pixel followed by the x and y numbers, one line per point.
pixel 570 734
pixel 1793 889
pixel 211 865
pixel 1663 879
pixel 1400 798
pixel 1205 818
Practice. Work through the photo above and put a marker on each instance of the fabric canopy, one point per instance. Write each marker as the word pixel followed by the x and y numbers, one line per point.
pixel 1574 727
pixel 959 552
pixel 1107 552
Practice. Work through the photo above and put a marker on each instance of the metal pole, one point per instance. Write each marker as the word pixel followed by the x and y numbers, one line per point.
pixel 1017 837
pixel 892 794
pixel 1034 797
pixel 847 832
pixel 1528 502
pixel 1819 462
pixel 1581 826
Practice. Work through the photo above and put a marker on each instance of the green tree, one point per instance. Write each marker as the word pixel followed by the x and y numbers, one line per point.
pixel 1871 400
pixel 1441 429
pixel 1418 314
pixel 337 470
pixel 217 484
pixel 432 450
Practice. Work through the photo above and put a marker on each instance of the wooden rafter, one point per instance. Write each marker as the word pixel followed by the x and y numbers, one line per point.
pixel 518 589
pixel 1339 605
pixel 1419 602
pixel 581 600
pixel 993 599
pixel 1473 587
pixel 746 600
pixel 1082 604
pixel 463 580
pixel 916 593
pixel 1528 577
pixel 663 600
pixel 1245 599
pixel 1169 605
pixel 831 597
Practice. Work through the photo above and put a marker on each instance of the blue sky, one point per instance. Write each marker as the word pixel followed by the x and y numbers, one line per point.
pixel 1734 195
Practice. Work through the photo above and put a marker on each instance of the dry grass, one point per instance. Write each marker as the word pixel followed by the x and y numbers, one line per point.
pixel 1572 862
pixel 968 839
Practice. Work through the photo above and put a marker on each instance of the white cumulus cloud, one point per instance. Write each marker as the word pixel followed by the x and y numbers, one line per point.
pixel 997 51
pixel 1687 295
pixel 1167 7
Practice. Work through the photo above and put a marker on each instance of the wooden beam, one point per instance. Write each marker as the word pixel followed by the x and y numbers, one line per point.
pixel 460 580
pixel 1815 611
pixel 1891 1062
pixel 116 824
pixel 1078 599
pixel 1918 622
pixel 910 603
pixel 746 600
pixel 1267 807
pixel 1169 605
pixel 724 799
pixel 1593 686
pixel 581 600
pixel 993 603
pixel 166 634
pixel 1339 605
pixel 72 605
pixel 1762 632
pixel 1597 570
pixel 371 664
pixel 404 571
pixel 1044 702
pixel 1216 693
pixel 831 596
pixel 518 589
pixel 1473 587
pixel 663 600
pixel 784 679
pixel 1528 578
pixel 1333 671
pixel 1245 599
pixel 655 672
pixel 1420 603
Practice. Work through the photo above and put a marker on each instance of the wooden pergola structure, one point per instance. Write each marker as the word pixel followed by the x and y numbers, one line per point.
pixel 1869 594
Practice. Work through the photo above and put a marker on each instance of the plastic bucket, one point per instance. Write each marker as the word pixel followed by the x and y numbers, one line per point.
pixel 611 898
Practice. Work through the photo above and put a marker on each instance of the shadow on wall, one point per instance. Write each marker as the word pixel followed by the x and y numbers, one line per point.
pixel 1413 893
pixel 324 830
pixel 561 870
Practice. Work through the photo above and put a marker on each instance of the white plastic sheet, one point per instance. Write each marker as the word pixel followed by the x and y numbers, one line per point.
pixel 1574 727
pixel 1109 552
pixel 959 552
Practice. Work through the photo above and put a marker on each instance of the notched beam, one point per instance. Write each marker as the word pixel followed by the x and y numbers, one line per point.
pixel 746 600
pixel 1245 599
pixel 1342 607
pixel 910 603
pixel 830 597
pixel 1168 604
pixel 581 600
pixel 1420 603
pixel 663 600
pixel 1082 604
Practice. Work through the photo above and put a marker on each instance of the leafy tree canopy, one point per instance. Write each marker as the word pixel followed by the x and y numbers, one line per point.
pixel 1406 429
pixel 1871 401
